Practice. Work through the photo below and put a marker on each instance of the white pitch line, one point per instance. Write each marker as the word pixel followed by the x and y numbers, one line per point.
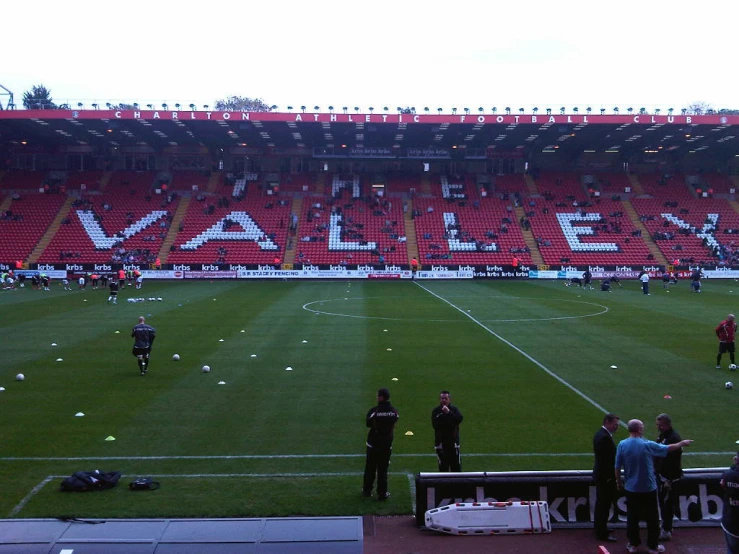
pixel 517 349
pixel 318 456
pixel 18 507
pixel 412 485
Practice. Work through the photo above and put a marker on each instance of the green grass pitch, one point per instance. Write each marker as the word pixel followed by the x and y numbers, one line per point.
pixel 528 363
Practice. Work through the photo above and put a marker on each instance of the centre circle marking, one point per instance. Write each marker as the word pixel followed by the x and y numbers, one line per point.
pixel 603 310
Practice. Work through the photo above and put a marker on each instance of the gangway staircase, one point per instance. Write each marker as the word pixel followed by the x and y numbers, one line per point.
pixel 531 185
pixel 411 242
pixel 174 228
pixel 296 208
pixel 528 237
pixel 51 231
pixel 654 250
pixel 635 184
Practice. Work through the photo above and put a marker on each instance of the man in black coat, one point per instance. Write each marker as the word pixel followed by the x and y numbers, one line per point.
pixel 381 421
pixel 445 420
pixel 669 470
pixel 604 449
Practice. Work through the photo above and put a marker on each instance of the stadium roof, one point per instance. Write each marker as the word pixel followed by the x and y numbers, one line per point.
pixel 334 132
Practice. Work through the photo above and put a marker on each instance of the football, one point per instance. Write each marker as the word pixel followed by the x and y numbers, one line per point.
pixel 732 367
pixel 20 377
pixel 206 369
pixel 729 385
pixel 176 357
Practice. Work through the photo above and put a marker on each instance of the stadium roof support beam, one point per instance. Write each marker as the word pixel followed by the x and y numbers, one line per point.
pixel 10 105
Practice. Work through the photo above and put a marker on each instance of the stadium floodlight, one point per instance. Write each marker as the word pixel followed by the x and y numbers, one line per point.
pixel 289 108
pixel 481 109
pixel 670 110
pixel 316 108
pixel 508 110
pixel 371 109
pixel 576 110
pixel 177 107
pixel 630 110
pixel 615 109
pixel 95 106
pixel 345 108
pixel 165 107
pixel 150 106
pixel 602 111
pixel 521 110
pixel 642 111
pixel 206 106
pixel 535 110
pixel 400 110
pixel 684 111
pixel 562 110
pixel 439 110
pixel 273 107
pixel 549 111
pixel 356 109
pixel 330 109
pixel 656 111
pixel 193 107
pixel 80 105
pixel 108 105
pixel 588 109
pixel 302 108
pixel 454 111
pixel 385 109
pixel 467 111
pixel 495 110
pixel 426 109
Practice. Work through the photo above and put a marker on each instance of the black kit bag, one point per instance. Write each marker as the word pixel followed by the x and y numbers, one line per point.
pixel 84 481
pixel 143 484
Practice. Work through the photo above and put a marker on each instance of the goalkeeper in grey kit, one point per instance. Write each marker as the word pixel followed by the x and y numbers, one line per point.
pixel 445 419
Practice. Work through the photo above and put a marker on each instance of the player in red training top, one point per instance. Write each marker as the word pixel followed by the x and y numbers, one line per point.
pixel 726 333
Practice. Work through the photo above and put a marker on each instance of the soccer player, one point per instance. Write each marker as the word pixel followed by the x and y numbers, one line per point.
pixel 113 291
pixel 144 336
pixel 644 278
pixel 45 281
pixel 695 280
pixel 726 333
pixel 139 279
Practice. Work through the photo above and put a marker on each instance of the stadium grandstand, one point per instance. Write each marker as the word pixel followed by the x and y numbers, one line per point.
pixel 225 190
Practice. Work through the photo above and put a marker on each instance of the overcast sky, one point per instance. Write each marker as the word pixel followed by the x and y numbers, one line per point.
pixel 380 53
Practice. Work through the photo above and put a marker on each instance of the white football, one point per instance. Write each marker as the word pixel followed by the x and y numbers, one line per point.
pixel 206 369
pixel 732 367
pixel 729 385
pixel 20 377
pixel 176 357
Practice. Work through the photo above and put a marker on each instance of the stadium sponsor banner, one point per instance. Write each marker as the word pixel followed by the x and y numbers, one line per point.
pixel 543 274
pixel 498 271
pixel 53 273
pixel 570 494
pixel 162 274
pixel 269 274
pixel 210 274
pixel 445 274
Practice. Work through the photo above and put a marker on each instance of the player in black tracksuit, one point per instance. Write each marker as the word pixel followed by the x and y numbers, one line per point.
pixel 144 336
pixel 381 421
pixel 445 420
